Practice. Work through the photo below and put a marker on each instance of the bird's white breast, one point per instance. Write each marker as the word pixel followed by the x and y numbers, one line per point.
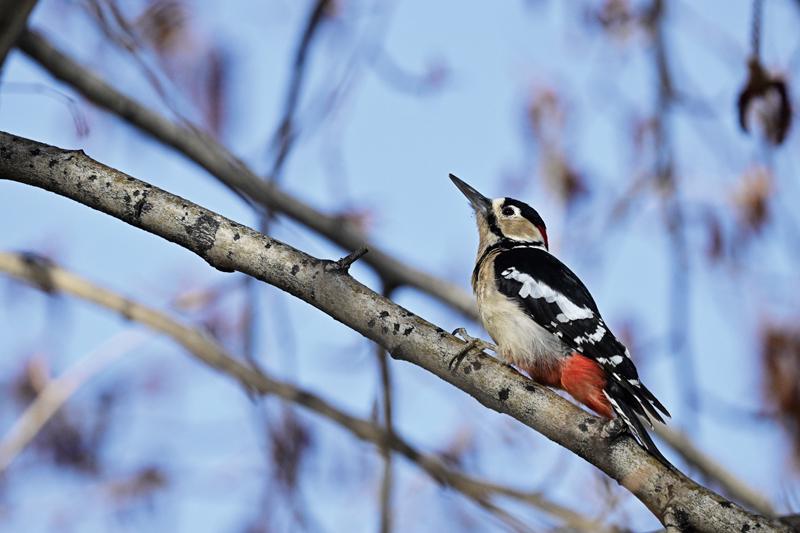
pixel 521 341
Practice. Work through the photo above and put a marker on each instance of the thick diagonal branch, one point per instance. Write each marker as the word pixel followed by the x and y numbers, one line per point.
pixel 229 246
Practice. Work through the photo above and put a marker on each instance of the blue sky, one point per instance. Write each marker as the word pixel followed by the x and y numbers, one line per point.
pixel 393 150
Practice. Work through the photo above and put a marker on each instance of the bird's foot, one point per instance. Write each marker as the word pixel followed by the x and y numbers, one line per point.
pixel 614 428
pixel 472 343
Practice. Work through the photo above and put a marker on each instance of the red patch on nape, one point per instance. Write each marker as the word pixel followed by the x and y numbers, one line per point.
pixel 585 380
pixel 543 231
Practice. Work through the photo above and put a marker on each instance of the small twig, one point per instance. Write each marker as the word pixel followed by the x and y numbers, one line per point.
pixel 286 134
pixel 755 31
pixel 343 264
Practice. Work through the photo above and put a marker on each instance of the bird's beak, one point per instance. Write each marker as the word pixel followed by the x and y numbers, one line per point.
pixel 479 202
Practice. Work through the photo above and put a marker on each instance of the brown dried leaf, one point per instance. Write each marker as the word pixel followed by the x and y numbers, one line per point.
pixel 546 115
pixel 163 24
pixel 214 91
pixel 764 98
pixel 780 351
pixel 291 439
pixel 751 199
pixel 715 243
pixel 563 179
pixel 616 17
pixel 142 484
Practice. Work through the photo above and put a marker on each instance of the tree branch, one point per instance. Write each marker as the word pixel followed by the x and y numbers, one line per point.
pixel 57 391
pixel 13 19
pixel 229 246
pixel 217 160
pixel 714 471
pixel 52 279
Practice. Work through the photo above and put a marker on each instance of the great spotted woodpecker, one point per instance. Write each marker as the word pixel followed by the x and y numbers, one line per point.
pixel 545 321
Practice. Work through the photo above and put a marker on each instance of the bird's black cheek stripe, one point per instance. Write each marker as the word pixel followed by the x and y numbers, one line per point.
pixel 491 220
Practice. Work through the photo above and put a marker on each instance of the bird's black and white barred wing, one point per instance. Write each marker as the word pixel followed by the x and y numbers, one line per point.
pixel 553 296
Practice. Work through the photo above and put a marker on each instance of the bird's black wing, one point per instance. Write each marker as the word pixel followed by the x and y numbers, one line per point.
pixel 556 299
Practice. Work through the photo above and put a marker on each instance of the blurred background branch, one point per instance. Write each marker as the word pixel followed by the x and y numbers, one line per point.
pixel 13 19
pixel 54 280
pixel 224 166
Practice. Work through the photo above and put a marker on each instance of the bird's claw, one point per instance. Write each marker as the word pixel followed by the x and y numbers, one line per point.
pixel 614 429
pixel 471 344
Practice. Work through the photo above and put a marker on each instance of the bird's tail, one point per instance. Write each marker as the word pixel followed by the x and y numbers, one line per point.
pixel 633 409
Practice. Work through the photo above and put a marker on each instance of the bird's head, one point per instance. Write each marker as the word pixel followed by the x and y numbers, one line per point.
pixel 504 218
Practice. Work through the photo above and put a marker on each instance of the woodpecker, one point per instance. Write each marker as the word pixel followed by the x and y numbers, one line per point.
pixel 545 322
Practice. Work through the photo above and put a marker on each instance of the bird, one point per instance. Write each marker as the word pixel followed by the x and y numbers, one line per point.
pixel 545 321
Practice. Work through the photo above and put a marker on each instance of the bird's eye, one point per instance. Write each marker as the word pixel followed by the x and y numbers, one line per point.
pixel 508 211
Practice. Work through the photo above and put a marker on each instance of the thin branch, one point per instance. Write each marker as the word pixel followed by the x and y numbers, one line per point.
pixel 285 134
pixel 755 30
pixel 674 217
pixel 228 246
pixel 57 391
pixel 52 279
pixel 217 160
pixel 713 471
pixel 13 19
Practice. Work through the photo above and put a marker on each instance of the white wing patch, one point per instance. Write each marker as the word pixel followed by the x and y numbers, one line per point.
pixel 537 289
pixel 598 334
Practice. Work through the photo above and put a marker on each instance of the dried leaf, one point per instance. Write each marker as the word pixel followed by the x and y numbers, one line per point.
pixel 563 179
pixel 616 17
pixel 751 199
pixel 546 115
pixel 291 439
pixel 765 100
pixel 715 243
pixel 780 347
pixel 140 485
pixel 163 24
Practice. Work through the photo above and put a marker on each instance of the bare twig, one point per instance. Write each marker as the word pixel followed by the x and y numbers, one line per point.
pixel 343 265
pixel 208 351
pixel 229 246
pixel 285 134
pixel 673 211
pixel 755 30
